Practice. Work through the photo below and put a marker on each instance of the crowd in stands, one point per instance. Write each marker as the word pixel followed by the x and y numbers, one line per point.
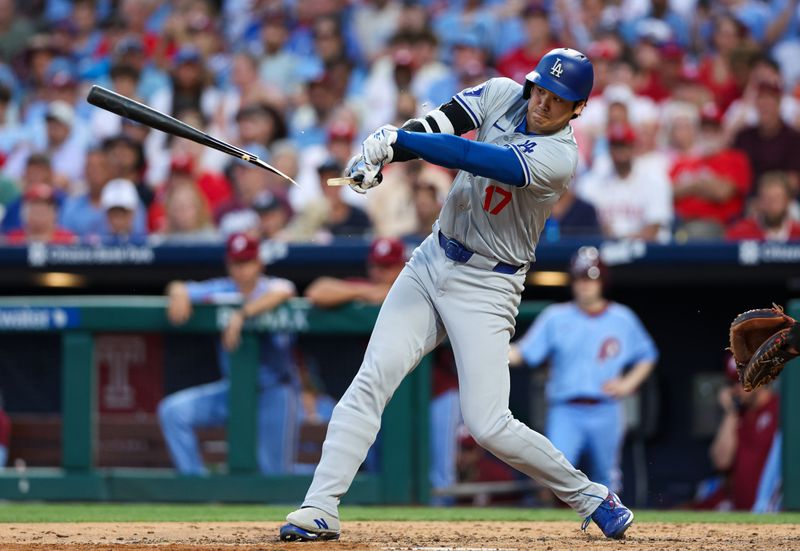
pixel 692 131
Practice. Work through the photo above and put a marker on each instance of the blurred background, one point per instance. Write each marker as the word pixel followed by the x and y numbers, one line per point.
pixel 687 183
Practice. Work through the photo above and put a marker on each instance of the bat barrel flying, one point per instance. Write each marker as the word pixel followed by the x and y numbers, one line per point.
pixel 143 114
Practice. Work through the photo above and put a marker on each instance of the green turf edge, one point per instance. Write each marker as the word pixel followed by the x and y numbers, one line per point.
pixel 160 512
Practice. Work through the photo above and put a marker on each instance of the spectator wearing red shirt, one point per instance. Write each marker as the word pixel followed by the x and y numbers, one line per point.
pixel 185 170
pixel 709 180
pixel 743 440
pixel 770 220
pixel 518 62
pixel 40 219
pixel 716 71
pixel 660 69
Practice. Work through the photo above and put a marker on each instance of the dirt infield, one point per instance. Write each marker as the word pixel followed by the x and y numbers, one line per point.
pixel 391 536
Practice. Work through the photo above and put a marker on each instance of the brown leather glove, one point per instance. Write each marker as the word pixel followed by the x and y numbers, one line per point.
pixel 762 341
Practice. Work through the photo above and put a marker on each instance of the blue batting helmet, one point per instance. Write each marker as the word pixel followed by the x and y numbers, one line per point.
pixel 565 72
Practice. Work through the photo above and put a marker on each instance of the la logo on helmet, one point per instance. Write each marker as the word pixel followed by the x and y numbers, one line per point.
pixel 556 69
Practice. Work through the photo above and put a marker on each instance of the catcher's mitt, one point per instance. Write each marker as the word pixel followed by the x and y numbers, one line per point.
pixel 762 341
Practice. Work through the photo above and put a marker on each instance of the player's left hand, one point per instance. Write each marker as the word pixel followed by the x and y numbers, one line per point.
pixel 365 176
pixel 617 388
pixel 232 334
pixel 377 148
pixel 179 307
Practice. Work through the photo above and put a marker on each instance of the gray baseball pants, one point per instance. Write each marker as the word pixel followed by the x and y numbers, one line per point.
pixel 476 308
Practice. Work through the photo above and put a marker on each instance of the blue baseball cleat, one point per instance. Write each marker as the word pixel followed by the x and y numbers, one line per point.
pixel 310 524
pixel 611 516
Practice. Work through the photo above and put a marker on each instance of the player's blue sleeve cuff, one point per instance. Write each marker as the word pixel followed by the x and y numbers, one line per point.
pixel 483 159
pixel 203 291
pixel 196 291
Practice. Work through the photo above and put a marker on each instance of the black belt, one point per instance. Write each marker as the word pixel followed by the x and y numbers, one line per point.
pixel 457 252
pixel 586 401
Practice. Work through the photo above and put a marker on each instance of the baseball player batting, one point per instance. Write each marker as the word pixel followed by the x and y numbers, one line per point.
pixel 466 279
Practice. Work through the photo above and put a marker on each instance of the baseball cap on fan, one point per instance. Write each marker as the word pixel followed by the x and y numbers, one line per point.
pixel 386 251
pixel 241 247
pixel 710 114
pixel 40 192
pixel 586 264
pixel 341 130
pixel 119 193
pixel 60 111
pixel 621 134
pixel 187 54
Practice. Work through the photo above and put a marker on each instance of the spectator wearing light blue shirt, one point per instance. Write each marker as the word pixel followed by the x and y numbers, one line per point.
pixel 782 35
pixel 589 343
pixel 62 141
pixel 120 201
pixel 83 214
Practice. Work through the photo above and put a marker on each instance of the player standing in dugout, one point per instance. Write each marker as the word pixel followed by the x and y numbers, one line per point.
pixel 466 279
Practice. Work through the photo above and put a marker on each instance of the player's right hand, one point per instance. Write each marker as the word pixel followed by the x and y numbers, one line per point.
pixel 179 307
pixel 364 175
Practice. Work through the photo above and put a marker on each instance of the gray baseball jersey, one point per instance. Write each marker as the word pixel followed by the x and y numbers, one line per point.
pixel 471 303
pixel 498 220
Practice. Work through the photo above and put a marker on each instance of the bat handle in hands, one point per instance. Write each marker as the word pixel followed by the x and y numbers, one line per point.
pixel 359 175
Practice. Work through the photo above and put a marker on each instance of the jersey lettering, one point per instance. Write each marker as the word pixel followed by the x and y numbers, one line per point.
pixel 475 91
pixel 505 198
pixel 527 147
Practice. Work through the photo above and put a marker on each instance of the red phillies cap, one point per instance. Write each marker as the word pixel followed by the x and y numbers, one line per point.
pixel 671 51
pixel 385 252
pixel 621 134
pixel 341 130
pixel 603 50
pixel 181 163
pixel 39 192
pixel 710 113
pixel 241 247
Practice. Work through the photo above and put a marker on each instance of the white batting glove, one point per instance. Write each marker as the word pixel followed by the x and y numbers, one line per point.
pixel 365 175
pixel 377 148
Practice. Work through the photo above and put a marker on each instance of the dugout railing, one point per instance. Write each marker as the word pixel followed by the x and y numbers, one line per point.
pixel 402 474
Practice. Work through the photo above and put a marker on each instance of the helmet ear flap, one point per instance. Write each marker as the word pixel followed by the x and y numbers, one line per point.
pixel 526 91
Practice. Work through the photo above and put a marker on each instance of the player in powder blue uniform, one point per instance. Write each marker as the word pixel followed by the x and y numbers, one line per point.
pixel 589 343
pixel 466 279
pixel 207 405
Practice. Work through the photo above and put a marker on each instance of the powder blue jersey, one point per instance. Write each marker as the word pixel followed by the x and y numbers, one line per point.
pixel 585 350
pixel 277 364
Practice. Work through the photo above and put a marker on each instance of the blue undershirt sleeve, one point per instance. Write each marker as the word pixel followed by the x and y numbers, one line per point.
pixel 483 159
